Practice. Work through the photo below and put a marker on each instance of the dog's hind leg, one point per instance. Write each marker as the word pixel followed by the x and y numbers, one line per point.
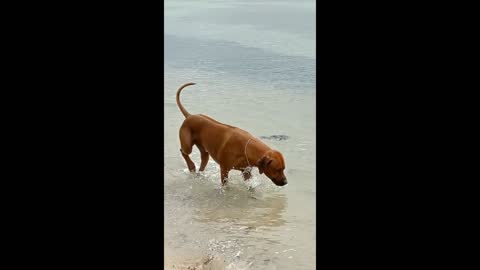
pixel 204 154
pixel 186 146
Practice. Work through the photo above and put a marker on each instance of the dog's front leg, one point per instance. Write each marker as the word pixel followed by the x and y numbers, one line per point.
pixel 224 174
pixel 247 173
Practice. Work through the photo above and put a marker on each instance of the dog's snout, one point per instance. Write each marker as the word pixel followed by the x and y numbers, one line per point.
pixel 282 182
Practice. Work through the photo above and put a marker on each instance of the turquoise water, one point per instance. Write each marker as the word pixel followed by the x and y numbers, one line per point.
pixel 254 65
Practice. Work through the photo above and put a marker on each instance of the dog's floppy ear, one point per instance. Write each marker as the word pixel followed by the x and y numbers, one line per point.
pixel 263 163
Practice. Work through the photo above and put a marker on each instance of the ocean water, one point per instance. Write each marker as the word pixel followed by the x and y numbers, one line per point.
pixel 253 63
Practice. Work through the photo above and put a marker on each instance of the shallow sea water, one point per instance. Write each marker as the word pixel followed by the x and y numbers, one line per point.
pixel 253 63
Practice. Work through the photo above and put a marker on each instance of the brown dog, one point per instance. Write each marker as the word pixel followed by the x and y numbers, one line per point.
pixel 230 147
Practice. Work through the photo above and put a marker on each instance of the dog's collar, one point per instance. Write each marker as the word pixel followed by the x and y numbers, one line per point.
pixel 246 156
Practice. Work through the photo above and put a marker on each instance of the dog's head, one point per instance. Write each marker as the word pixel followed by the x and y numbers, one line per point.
pixel 273 165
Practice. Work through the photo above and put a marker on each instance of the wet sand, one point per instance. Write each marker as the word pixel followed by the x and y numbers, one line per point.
pixel 191 261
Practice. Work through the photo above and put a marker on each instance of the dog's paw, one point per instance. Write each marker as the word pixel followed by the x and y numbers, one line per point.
pixel 220 190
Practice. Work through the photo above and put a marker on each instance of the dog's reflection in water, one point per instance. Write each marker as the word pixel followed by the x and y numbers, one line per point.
pixel 242 207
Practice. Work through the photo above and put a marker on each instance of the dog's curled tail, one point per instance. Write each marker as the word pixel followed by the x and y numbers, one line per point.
pixel 182 109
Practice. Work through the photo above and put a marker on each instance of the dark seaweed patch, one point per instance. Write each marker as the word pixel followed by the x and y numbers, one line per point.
pixel 275 137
